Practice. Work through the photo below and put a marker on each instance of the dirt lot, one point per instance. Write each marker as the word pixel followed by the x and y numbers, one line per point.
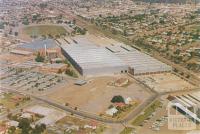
pixel 165 82
pixel 95 96
pixel 13 58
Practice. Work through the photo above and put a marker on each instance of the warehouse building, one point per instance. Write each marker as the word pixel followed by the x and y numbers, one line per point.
pixel 40 46
pixel 92 60
pixel 187 103
pixel 89 59
pixel 138 62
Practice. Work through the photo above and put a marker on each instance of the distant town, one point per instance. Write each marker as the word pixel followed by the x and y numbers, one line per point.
pixel 99 67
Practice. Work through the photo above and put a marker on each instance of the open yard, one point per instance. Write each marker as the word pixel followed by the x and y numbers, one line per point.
pixel 97 93
pixel 46 30
pixel 166 82
pixel 13 58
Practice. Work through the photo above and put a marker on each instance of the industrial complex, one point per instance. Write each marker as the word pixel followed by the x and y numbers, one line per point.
pixel 99 67
pixel 90 59
pixel 42 46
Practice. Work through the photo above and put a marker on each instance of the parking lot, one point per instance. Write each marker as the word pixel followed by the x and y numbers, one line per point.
pixel 32 81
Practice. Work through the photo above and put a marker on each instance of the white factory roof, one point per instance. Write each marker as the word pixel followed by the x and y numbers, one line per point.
pixel 39 44
pixel 90 56
pixel 114 55
pixel 142 63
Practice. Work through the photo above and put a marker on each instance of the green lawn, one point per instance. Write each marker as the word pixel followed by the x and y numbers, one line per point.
pixel 147 113
pixel 44 30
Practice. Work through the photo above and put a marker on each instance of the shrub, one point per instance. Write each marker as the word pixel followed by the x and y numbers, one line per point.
pixel 117 99
pixel 39 58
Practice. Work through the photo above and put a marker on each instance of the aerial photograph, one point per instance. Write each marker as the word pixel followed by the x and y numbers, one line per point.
pixel 99 66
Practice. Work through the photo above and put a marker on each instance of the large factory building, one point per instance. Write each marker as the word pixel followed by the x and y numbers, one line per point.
pixel 92 60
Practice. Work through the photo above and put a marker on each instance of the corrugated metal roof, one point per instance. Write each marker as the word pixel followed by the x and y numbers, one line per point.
pixel 142 63
pixel 93 57
pixel 39 44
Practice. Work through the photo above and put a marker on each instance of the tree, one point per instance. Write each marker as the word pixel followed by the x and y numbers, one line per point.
pixel 125 33
pixel 74 21
pixel 59 71
pixel 2 25
pixel 117 99
pixel 67 62
pixel 43 5
pixel 11 130
pixel 178 51
pixel 24 125
pixel 39 129
pixel 39 58
pixel 44 36
pixel 9 116
pixel 114 31
pixel 198 113
pixel 70 73
pixel 16 33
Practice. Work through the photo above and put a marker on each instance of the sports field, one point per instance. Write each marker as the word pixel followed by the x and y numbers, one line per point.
pixel 40 30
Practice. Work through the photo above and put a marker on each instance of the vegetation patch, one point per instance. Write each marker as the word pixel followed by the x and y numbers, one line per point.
pixel 147 112
pixel 71 73
pixel 127 130
pixel 45 30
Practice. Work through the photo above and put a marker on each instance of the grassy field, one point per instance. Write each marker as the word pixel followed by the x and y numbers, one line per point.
pixel 127 130
pixel 44 30
pixel 11 101
pixel 147 112
pixel 6 101
pixel 193 27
